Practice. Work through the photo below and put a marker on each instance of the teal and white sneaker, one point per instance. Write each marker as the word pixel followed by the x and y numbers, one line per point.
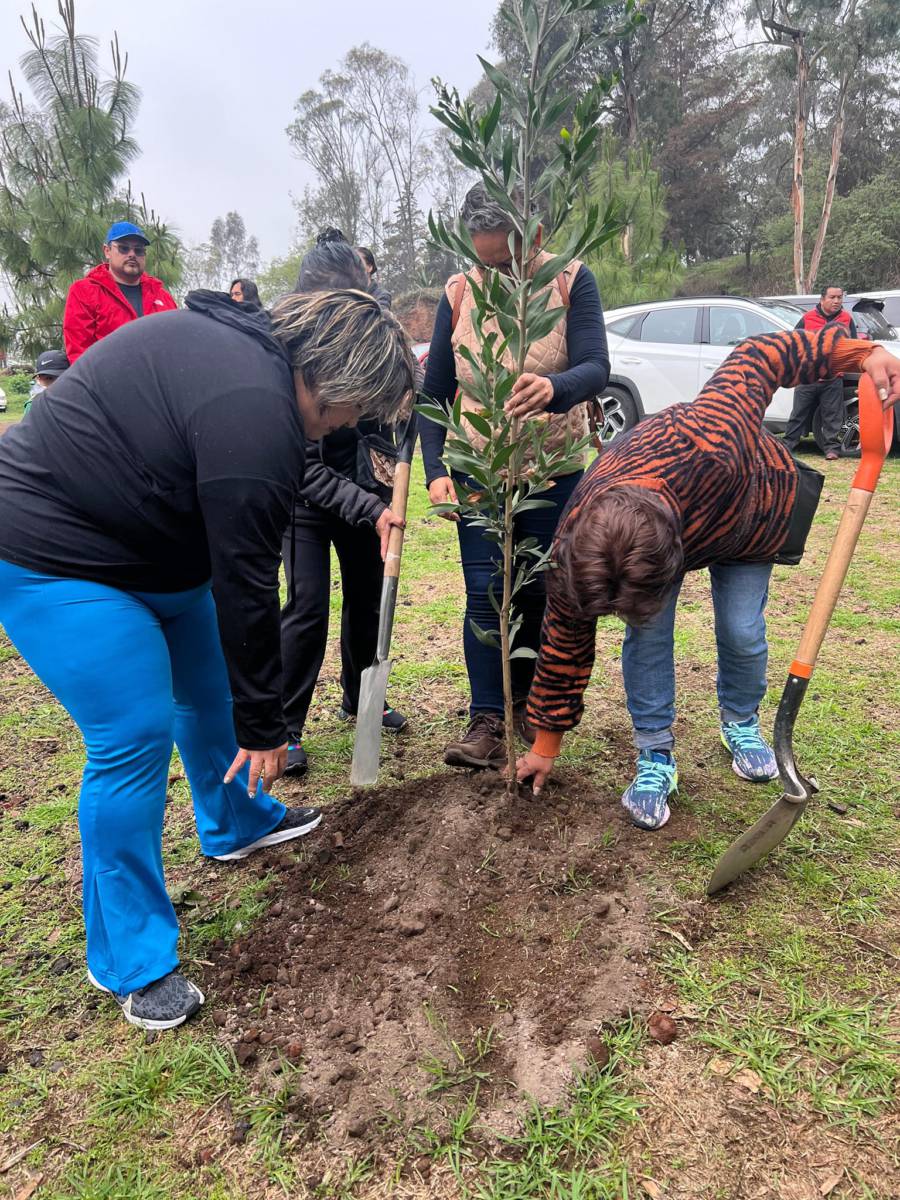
pixel 646 799
pixel 751 757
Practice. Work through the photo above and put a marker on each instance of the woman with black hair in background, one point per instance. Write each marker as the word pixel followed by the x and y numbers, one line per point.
pixel 344 502
pixel 245 291
pixel 383 296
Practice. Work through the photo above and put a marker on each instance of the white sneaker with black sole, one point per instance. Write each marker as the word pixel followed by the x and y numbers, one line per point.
pixel 163 1004
pixel 295 823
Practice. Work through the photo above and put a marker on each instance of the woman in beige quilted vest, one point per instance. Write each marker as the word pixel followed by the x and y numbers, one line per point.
pixel 563 372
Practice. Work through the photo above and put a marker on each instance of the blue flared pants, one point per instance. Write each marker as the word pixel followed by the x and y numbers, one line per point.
pixel 137 672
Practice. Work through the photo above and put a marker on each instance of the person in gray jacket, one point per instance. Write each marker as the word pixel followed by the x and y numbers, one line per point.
pixel 345 503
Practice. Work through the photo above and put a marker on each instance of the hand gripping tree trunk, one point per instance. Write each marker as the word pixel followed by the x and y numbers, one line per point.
pixel 506 463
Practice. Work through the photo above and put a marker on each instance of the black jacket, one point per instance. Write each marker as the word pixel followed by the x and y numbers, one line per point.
pixel 169 455
pixel 333 480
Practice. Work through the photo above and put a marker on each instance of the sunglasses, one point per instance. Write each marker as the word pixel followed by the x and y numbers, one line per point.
pixel 137 250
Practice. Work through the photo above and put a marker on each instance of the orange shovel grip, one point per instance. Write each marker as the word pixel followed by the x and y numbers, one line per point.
pixel 876 432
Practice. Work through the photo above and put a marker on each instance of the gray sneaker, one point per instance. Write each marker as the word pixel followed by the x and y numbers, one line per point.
pixel 295 823
pixel 163 1004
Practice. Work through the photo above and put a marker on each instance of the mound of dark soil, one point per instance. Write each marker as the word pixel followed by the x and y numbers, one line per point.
pixel 438 935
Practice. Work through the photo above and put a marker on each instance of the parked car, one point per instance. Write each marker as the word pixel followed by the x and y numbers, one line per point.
pixel 664 351
pixel 891 310
pixel 3 401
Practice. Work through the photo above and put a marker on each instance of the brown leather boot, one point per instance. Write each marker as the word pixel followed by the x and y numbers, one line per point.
pixel 482 745
pixel 521 724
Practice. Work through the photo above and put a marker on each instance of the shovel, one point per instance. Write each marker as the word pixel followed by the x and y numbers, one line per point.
pixel 875 434
pixel 373 685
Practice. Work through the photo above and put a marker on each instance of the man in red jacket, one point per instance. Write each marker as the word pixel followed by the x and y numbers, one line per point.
pixel 828 395
pixel 114 293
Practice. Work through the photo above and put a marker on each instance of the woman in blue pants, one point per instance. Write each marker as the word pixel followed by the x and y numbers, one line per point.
pixel 142 507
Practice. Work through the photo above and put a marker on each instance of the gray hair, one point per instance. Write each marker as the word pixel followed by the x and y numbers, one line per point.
pixel 480 213
pixel 351 352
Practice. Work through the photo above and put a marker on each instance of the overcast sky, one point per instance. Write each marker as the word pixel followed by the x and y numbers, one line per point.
pixel 219 80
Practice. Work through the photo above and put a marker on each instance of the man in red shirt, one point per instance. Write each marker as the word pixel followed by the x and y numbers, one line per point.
pixel 114 293
pixel 827 395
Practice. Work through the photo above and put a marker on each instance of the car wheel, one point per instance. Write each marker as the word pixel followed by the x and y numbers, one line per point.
pixel 848 438
pixel 618 413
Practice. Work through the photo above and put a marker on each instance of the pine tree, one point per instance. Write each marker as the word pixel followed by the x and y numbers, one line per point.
pixel 62 168
pixel 639 265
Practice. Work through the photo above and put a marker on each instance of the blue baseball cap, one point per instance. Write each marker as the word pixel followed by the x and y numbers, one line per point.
pixel 123 229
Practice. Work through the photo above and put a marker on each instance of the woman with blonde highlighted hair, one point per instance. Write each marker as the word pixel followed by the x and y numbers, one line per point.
pixel 142 507
pixel 344 505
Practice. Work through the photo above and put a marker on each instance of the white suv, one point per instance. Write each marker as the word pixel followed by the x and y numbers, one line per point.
pixel 664 352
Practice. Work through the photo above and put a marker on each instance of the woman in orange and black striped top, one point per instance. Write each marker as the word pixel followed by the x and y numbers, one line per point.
pixel 698 485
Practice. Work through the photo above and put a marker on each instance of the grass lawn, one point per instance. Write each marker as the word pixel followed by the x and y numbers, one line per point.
pixel 782 1080
pixel 16 388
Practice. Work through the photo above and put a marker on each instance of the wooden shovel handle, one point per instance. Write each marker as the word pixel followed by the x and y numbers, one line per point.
pixel 875 433
pixel 400 497
pixel 398 507
pixel 831 582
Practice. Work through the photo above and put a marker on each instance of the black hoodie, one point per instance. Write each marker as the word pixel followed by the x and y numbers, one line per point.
pixel 168 455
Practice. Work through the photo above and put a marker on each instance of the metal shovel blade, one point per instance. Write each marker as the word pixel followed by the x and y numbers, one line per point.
pixel 770 830
pixel 367 747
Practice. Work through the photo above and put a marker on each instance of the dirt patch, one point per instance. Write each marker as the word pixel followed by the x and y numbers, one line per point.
pixel 436 936
pixel 415 311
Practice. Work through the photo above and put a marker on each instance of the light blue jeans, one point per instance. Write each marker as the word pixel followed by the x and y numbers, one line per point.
pixel 137 672
pixel 739 595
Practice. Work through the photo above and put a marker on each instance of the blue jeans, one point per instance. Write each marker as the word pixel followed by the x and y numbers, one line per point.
pixel 480 560
pixel 137 672
pixel 739 595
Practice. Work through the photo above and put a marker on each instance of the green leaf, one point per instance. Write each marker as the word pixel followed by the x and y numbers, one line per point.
pixel 491 120
pixel 477 421
pixel 467 156
pixel 544 323
pixel 434 412
pixel 503 85
pixel 523 652
pixel 548 271
pixel 487 637
pixel 531 21
pixel 509 148
pixel 502 457
pixel 525 505
pixel 500 193
pixel 183 895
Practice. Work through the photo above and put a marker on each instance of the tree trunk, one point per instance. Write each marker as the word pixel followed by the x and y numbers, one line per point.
pixel 801 115
pixel 627 235
pixel 509 545
pixel 837 137
pixel 629 98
